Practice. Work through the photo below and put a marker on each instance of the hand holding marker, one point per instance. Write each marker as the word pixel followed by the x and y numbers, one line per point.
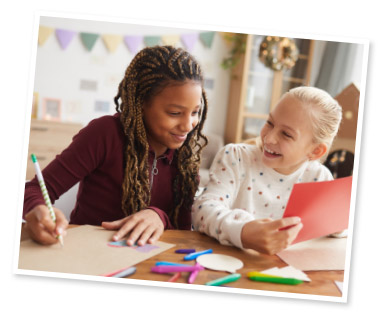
pixel 45 193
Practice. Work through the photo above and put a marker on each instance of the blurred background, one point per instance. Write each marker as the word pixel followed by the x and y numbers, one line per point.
pixel 80 63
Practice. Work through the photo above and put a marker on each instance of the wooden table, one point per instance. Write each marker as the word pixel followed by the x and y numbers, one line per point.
pixel 322 282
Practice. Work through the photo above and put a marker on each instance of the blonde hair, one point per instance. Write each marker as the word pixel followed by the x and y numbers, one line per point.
pixel 325 113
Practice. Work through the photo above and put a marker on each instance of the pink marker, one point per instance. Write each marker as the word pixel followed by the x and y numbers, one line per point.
pixel 173 269
pixel 193 274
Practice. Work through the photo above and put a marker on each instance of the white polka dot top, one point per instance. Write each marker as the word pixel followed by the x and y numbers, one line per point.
pixel 242 189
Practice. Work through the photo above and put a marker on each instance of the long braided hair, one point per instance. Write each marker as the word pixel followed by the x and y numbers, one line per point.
pixel 151 70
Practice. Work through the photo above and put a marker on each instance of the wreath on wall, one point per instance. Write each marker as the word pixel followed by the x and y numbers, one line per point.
pixel 278 53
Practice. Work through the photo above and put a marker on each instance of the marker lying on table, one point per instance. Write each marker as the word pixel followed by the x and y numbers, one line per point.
pixel 175 277
pixel 173 269
pixel 45 193
pixel 192 256
pixel 224 280
pixel 161 263
pixel 185 251
pixel 193 274
pixel 256 276
pixel 125 273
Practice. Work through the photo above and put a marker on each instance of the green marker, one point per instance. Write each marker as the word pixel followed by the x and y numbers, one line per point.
pixel 273 279
pixel 44 192
pixel 224 280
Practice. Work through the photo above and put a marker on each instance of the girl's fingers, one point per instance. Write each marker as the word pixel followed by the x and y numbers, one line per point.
pixel 124 229
pixel 155 236
pixel 136 232
pixel 113 225
pixel 284 223
pixel 146 234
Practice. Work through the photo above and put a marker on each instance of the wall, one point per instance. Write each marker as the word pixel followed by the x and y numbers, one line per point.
pixel 58 72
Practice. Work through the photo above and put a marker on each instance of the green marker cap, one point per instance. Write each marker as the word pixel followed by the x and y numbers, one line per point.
pixel 33 157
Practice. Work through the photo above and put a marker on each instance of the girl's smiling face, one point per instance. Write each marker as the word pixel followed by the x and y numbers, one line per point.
pixel 287 137
pixel 171 114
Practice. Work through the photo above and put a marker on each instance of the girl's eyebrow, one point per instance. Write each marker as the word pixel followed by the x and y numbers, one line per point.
pixel 180 106
pixel 284 125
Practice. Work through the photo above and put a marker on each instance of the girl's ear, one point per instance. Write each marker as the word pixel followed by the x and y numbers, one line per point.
pixel 318 151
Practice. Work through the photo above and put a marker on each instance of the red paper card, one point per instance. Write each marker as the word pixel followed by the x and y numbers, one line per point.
pixel 323 207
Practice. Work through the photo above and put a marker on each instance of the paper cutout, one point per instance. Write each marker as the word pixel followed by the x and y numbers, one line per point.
pixel 189 40
pixel 151 40
pixel 317 254
pixel 339 285
pixel 64 37
pixel 323 207
pixel 133 43
pixel 207 38
pixel 220 262
pixel 112 41
pixel 44 33
pixel 287 272
pixel 89 39
pixel 170 40
pixel 85 252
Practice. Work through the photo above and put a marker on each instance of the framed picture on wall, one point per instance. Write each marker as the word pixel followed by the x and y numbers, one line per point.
pixel 51 109
pixel 35 103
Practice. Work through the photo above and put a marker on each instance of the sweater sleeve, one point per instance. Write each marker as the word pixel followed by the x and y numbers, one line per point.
pixel 81 157
pixel 213 212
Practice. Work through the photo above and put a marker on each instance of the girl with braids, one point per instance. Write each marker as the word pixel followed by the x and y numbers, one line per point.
pixel 244 201
pixel 138 169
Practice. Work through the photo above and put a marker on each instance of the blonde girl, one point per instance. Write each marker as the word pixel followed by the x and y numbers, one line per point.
pixel 245 199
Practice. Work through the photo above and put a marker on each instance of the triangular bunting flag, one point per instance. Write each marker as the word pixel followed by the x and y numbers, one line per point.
pixel 207 38
pixel 64 37
pixel 89 39
pixel 112 41
pixel 189 40
pixel 151 40
pixel 170 40
pixel 44 33
pixel 133 43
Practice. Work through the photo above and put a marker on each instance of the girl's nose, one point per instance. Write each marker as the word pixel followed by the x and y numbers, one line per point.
pixel 271 138
pixel 187 124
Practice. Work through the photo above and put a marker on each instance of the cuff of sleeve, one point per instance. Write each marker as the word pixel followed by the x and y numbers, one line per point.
pixel 234 228
pixel 163 216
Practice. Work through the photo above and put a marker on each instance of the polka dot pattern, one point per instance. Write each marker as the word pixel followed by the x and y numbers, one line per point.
pixel 239 179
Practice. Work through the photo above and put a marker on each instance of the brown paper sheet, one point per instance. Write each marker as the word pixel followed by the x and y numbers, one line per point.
pixel 318 254
pixel 86 251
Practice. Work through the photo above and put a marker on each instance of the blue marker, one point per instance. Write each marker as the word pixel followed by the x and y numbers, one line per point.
pixel 169 264
pixel 192 256
pixel 125 273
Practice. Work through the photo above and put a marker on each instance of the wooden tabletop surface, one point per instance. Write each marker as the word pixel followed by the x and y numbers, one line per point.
pixel 322 282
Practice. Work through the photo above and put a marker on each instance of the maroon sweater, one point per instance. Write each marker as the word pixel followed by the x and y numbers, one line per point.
pixel 95 159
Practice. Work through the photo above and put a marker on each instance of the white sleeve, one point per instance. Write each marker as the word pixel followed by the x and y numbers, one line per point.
pixel 212 211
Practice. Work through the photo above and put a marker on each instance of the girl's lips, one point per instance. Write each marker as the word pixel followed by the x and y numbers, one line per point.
pixel 270 154
pixel 180 138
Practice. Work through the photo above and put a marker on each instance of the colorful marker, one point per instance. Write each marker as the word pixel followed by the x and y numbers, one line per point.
pixel 273 279
pixel 193 274
pixel 192 256
pixel 45 193
pixel 125 273
pixel 175 277
pixel 173 269
pixel 169 264
pixel 185 251
pixel 224 280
